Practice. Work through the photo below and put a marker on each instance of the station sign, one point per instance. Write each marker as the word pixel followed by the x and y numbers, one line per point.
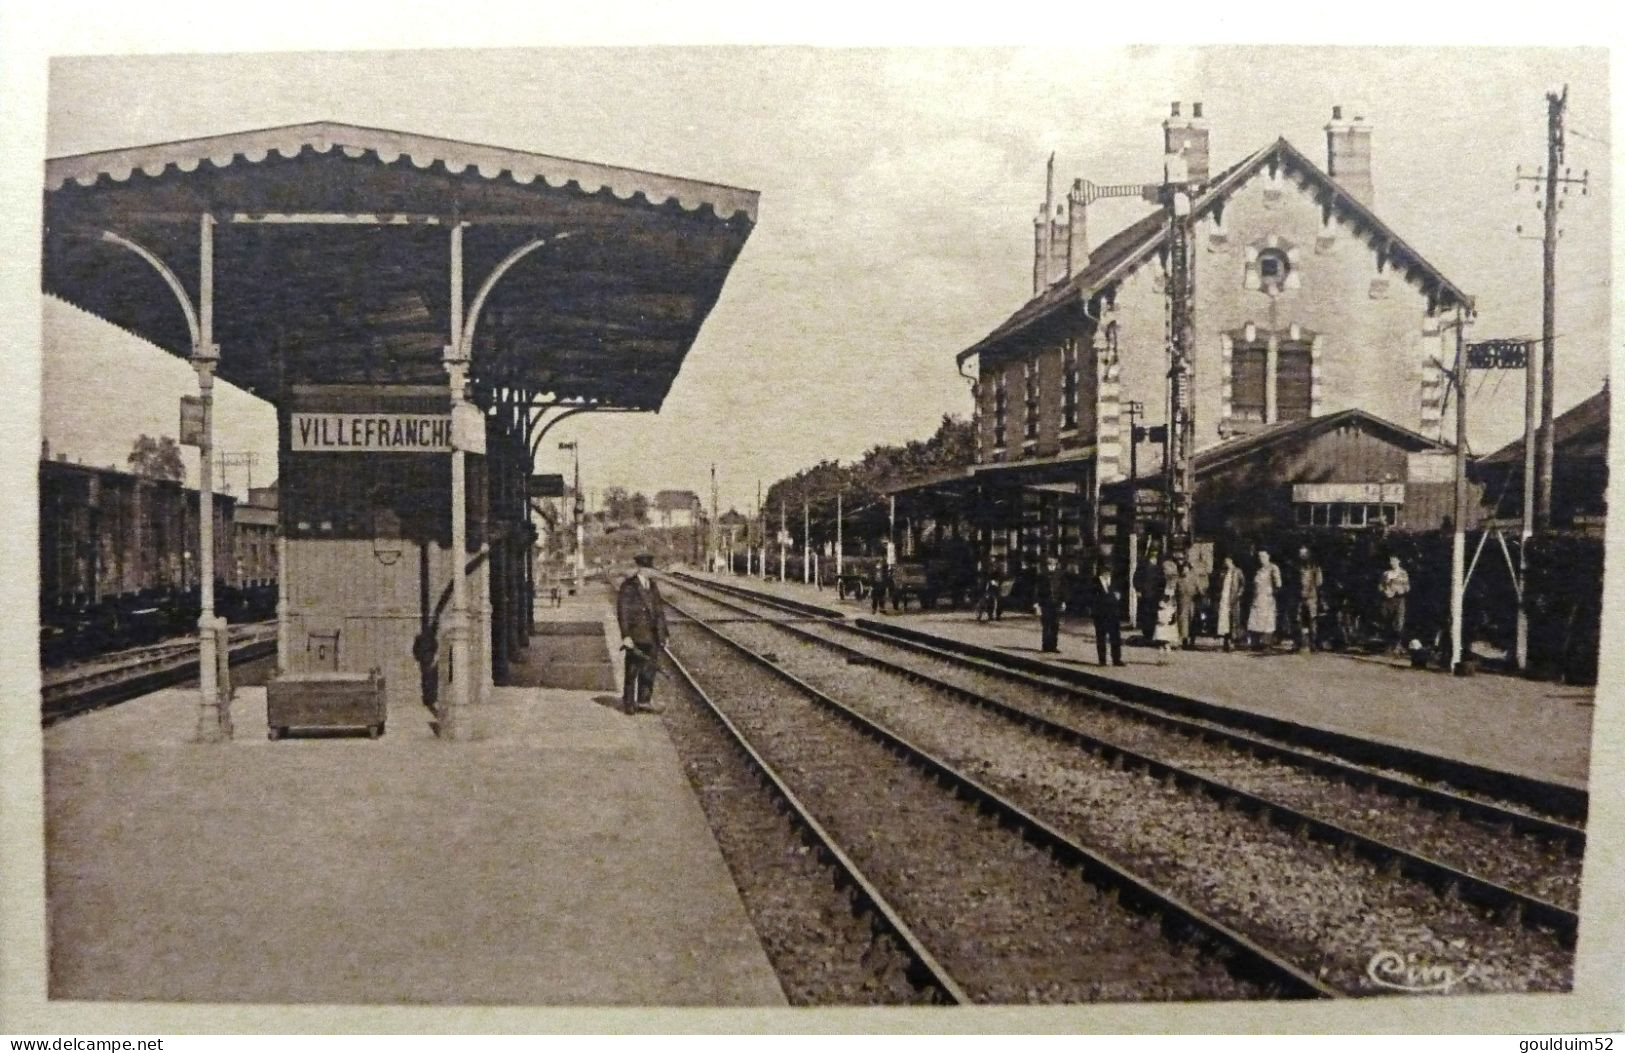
pixel 468 428
pixel 191 420
pixel 1348 493
pixel 370 433
pixel 546 485
pixel 1430 467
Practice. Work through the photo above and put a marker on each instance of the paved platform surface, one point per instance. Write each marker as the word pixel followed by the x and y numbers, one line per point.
pixel 559 859
pixel 1533 728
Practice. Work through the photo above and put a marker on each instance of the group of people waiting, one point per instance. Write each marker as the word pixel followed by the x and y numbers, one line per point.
pixel 1256 606
pixel 1249 607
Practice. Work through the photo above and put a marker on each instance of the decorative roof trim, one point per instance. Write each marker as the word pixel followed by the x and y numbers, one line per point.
pixel 523 168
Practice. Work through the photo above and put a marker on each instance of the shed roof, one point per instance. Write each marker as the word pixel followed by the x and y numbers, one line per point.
pixel 1582 429
pixel 1217 456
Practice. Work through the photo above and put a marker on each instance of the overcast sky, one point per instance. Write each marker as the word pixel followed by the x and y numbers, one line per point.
pixel 898 188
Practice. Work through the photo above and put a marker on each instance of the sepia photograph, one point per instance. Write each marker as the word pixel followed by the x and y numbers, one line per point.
pixel 778 527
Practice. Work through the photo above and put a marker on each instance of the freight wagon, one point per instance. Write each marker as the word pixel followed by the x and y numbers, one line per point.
pixel 119 560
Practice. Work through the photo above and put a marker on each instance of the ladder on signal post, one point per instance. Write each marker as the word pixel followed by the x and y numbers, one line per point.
pixel 1179 466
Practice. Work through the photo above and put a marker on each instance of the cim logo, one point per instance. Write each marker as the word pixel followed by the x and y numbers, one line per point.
pixel 1408 972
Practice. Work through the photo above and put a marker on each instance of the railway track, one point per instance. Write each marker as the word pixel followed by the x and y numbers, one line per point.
pixel 879 961
pixel 1512 815
pixel 83 688
pixel 992 888
pixel 1520 801
pixel 1303 803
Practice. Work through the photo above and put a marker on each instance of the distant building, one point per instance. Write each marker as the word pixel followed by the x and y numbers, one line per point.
pixel 257 536
pixel 676 508
pixel 1579 470
pixel 732 525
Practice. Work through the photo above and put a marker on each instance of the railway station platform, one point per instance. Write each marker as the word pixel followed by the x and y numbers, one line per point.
pixel 1528 728
pixel 559 858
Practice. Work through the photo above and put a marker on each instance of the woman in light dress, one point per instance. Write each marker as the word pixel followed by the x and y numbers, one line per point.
pixel 1261 618
pixel 1231 613
pixel 1166 634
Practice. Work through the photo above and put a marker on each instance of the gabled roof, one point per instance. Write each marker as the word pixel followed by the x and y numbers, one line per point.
pixel 1125 250
pixel 1214 457
pixel 1584 423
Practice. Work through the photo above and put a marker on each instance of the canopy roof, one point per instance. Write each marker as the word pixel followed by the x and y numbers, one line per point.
pixel 332 258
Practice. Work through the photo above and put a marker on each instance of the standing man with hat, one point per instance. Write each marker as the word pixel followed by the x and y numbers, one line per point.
pixel 1049 602
pixel 642 617
pixel 1106 611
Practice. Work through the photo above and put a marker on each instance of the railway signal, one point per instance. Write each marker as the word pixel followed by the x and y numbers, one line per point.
pixel 1175 194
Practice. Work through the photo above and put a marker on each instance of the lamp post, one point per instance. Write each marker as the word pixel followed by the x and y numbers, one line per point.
pixel 576 504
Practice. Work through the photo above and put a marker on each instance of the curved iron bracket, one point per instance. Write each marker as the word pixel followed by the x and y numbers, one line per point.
pixel 169 277
pixel 471 321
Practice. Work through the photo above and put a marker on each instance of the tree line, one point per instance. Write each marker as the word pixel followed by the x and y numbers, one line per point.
pixel 862 483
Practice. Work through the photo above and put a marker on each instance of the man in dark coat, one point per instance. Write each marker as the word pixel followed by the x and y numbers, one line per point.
pixel 1050 602
pixel 1310 579
pixel 1150 581
pixel 879 587
pixel 1106 611
pixel 641 614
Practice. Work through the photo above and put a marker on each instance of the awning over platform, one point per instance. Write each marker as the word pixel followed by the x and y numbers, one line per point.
pixel 331 258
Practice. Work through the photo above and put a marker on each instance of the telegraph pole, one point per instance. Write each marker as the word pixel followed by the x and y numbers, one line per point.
pixel 712 536
pixel 1550 180
pixel 1458 537
pixel 246 459
pixel 1555 104
pixel 783 537
pixel 840 542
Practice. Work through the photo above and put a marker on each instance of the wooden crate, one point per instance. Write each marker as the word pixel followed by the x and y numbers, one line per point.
pixel 325 700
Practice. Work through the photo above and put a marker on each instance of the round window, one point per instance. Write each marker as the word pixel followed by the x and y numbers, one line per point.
pixel 1273 267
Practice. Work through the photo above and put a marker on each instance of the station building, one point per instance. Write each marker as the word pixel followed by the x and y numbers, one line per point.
pixel 1308 308
pixel 419 311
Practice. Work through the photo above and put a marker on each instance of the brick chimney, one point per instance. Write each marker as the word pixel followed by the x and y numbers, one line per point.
pixel 1044 232
pixel 1077 230
pixel 1348 155
pixel 1187 136
pixel 1052 238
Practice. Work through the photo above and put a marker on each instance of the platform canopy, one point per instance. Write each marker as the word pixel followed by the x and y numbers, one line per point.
pixel 332 255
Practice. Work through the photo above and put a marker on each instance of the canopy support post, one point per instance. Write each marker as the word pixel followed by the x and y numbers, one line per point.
pixel 454 718
pixel 214 705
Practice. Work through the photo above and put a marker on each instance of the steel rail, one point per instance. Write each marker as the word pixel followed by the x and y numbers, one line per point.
pixel 925 972
pixel 1570 836
pixel 65 704
pixel 1246 956
pixel 1511 904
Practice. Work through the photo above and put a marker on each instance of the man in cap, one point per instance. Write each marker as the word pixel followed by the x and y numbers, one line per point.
pixel 642 617
pixel 1049 602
